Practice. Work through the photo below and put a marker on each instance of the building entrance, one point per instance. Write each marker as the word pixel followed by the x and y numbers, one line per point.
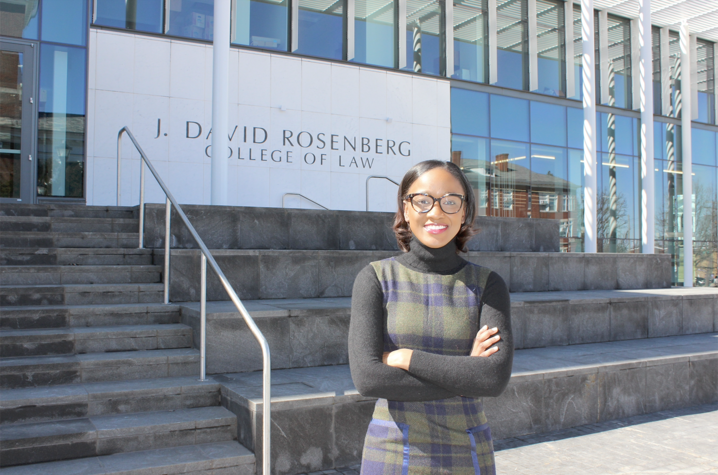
pixel 17 115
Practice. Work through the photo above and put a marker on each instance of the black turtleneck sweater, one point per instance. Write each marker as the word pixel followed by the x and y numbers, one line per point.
pixel 430 376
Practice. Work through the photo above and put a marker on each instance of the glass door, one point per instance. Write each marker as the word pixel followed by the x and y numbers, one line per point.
pixel 17 114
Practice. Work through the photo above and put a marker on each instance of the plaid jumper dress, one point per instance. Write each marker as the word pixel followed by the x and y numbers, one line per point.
pixel 437 314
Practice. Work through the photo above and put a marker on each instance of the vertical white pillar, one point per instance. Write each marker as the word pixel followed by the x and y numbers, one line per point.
pixel 686 115
pixel 589 126
pixel 635 63
pixel 533 46
pixel 294 24
pixel 568 33
pixel 493 46
pixel 449 25
pixel 694 76
pixel 220 103
pixel 351 22
pixel 59 123
pixel 665 72
pixel 603 53
pixel 645 100
pixel 401 32
pixel 715 84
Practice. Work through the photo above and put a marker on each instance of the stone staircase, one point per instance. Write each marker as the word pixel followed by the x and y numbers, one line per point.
pixel 598 337
pixel 97 375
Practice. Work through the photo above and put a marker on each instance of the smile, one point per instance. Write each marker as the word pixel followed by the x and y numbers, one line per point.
pixel 435 228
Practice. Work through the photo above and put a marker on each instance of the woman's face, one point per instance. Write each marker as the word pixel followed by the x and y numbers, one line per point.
pixel 435 229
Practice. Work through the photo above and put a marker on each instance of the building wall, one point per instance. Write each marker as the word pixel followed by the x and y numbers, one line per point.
pixel 161 88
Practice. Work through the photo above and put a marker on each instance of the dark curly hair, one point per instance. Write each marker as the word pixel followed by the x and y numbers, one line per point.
pixel 401 227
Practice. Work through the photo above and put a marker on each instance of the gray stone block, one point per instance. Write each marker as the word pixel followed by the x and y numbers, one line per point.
pixel 633 273
pixel 497 262
pixel 529 272
pixel 629 319
pixel 545 324
pixel 589 322
pixel 570 401
pixel 621 393
pixel 665 317
pixel 600 272
pixel 546 235
pixel 698 314
pixel 519 409
pixel 703 380
pixel 667 386
pixel 488 237
pixel 318 341
pixel 314 230
pixel 517 235
pixel 351 421
pixel 566 272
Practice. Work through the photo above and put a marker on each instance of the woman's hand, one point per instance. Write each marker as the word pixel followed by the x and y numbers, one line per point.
pixel 484 341
pixel 398 358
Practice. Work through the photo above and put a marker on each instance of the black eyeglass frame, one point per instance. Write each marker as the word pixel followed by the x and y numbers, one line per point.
pixel 410 197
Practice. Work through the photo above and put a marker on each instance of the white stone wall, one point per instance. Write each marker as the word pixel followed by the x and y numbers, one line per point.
pixel 137 80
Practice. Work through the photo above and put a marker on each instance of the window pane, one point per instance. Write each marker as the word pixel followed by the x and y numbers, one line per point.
pixel 656 53
pixel 577 61
pixel 548 123
pixel 704 192
pixel 575 127
pixel 509 184
pixel 615 209
pixel 703 148
pixel 262 23
pixel 424 36
pixel 472 155
pixel 619 63
pixel 64 22
pixel 706 79
pixel 658 129
pixel 469 112
pixel 549 182
pixel 674 52
pixel 321 28
pixel 18 18
pixel 619 129
pixel 551 49
pixel 61 126
pixel 509 118
pixel 470 40
pixel 141 15
pixel 512 54
pixel 374 32
pixel 576 183
pixel 192 18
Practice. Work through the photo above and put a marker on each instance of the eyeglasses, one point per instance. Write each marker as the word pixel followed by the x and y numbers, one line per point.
pixel 422 203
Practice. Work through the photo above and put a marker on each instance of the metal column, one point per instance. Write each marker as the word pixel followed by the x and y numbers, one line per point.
pixel 686 115
pixel 645 99
pixel 589 126
pixel 220 103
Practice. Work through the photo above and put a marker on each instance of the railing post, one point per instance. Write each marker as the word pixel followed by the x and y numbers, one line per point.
pixel 202 316
pixel 142 203
pixel 168 238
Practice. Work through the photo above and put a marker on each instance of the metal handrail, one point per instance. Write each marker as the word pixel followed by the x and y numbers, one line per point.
pixel 302 196
pixel 206 256
pixel 367 186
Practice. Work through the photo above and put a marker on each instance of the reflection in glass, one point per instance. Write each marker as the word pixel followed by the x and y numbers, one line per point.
pixel 192 19
pixel 619 63
pixel 548 123
pixel 425 36
pixel 575 127
pixel 703 150
pixel 10 123
pixel 61 126
pixel 656 55
pixel 618 128
pixel 705 73
pixel 470 40
pixel 261 23
pixel 674 55
pixel 577 61
pixel 576 180
pixel 510 182
pixel 64 21
pixel 551 47
pixel 140 15
pixel 512 42
pixel 615 207
pixel 321 28
pixel 471 154
pixel 551 196
pixel 469 112
pixel 374 32
pixel 18 18
pixel 509 118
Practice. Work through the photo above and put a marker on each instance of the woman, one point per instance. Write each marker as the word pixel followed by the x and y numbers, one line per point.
pixel 430 335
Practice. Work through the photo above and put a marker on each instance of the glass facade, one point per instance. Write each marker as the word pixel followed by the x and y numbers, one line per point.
pixel 262 24
pixel 20 19
pixel 321 28
pixel 471 45
pixel 705 71
pixel 425 37
pixel 375 32
pixel 512 44
pixel 551 48
pixel 144 15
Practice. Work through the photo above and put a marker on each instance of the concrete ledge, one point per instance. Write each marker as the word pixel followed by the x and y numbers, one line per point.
pixel 319 420
pixel 226 227
pixel 272 274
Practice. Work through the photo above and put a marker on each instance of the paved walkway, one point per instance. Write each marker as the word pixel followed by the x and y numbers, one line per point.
pixel 684 441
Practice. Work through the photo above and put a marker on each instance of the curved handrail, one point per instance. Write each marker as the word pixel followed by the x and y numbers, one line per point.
pixel 367 186
pixel 302 196
pixel 206 257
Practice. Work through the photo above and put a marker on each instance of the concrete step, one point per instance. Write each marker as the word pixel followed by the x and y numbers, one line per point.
pixel 75 257
pixel 68 211
pixel 33 371
pixel 269 274
pixel 114 397
pixel 112 434
pixel 68 225
pixel 60 316
pixel 68 239
pixel 58 275
pixel 215 458
pixel 314 332
pixel 80 294
pixel 550 389
pixel 71 341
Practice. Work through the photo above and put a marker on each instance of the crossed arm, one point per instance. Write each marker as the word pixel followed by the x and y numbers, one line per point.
pixel 413 375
